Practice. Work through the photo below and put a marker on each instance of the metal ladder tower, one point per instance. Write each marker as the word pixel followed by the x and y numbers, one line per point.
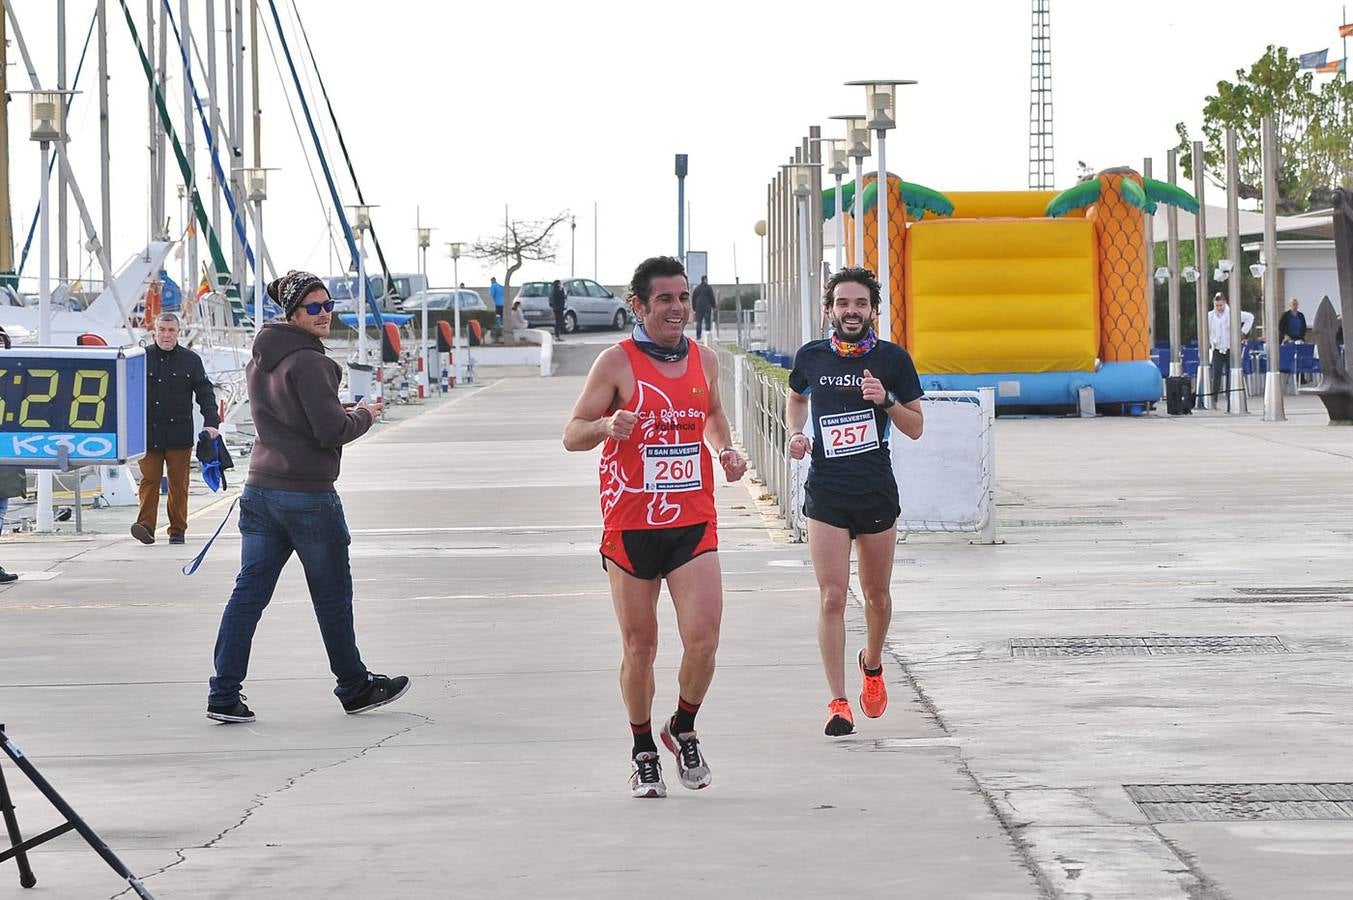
pixel 1040 98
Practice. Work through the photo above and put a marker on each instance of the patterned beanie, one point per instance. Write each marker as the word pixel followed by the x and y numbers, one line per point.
pixel 291 289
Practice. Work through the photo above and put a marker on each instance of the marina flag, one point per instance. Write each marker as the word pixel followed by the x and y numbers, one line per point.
pixel 203 288
pixel 1336 66
pixel 1314 60
pixel 1346 30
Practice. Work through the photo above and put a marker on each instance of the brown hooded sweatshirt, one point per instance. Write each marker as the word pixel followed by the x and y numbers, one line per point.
pixel 302 426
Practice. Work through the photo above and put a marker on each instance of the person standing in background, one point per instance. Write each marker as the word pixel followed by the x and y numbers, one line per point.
pixel 496 292
pixel 704 301
pixel 175 377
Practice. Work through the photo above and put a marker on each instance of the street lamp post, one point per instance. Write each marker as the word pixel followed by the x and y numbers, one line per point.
pixel 880 97
pixel 424 241
pixel 1172 263
pixel 801 181
pixel 857 148
pixel 256 189
pixel 457 358
pixel 760 229
pixel 48 118
pixel 839 168
pixel 1273 381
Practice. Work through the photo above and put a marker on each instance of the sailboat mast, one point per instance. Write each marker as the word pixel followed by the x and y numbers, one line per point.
pixel 105 181
pixel 234 41
pixel 162 161
pixel 6 222
pixel 62 243
pixel 213 114
pixel 258 113
pixel 189 142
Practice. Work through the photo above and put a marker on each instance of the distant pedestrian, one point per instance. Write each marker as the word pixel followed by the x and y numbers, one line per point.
pixel 1292 325
pixel 704 300
pixel 13 483
pixel 175 377
pixel 289 504
pixel 516 321
pixel 558 300
pixel 496 292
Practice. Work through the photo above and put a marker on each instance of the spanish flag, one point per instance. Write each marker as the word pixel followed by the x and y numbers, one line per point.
pixel 1346 30
pixel 203 288
pixel 1329 68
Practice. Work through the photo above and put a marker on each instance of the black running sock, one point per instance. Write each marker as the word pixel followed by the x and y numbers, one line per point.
pixel 643 737
pixel 872 673
pixel 683 721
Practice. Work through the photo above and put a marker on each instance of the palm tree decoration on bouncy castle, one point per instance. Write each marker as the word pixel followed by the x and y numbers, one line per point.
pixel 1119 197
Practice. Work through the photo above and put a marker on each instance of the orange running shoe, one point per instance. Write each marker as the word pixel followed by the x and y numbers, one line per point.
pixel 842 720
pixel 873 693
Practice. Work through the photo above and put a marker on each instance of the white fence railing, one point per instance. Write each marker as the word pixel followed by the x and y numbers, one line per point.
pixel 946 480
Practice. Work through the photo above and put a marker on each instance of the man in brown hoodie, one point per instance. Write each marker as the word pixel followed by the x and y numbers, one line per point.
pixel 289 503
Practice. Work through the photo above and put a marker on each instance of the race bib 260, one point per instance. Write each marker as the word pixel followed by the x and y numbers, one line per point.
pixel 672 468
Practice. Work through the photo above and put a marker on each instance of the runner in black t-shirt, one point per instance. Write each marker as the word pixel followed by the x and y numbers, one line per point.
pixel 857 388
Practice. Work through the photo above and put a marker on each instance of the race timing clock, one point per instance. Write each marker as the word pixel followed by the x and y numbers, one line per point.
pixel 63 407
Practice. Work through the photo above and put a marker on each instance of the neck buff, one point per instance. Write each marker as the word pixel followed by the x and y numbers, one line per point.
pixel 859 348
pixel 664 354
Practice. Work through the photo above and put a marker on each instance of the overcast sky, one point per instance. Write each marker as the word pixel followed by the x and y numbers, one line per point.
pixel 458 109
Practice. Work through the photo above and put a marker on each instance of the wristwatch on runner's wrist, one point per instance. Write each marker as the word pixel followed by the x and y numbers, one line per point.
pixel 888 400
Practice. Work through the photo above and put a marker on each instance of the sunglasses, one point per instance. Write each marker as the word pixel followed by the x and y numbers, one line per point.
pixel 315 308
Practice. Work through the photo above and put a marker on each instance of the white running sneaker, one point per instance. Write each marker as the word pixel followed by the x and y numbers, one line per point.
pixel 691 765
pixel 646 777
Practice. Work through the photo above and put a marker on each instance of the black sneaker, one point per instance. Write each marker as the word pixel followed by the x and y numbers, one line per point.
pixel 7 577
pixel 175 538
pixel 646 776
pixel 232 712
pixel 379 691
pixel 143 534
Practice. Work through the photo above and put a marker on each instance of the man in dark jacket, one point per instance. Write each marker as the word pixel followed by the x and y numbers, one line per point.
pixel 289 503
pixel 703 301
pixel 174 377
pixel 1292 325
pixel 558 300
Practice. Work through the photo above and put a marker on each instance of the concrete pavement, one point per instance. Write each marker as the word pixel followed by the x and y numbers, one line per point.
pixel 503 771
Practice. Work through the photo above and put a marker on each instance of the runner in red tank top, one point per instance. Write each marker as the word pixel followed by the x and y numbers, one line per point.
pixel 653 401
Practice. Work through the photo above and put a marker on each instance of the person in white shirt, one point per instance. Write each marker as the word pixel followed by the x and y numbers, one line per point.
pixel 1219 340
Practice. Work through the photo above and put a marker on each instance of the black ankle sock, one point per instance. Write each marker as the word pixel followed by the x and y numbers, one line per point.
pixel 683 720
pixel 872 672
pixel 643 737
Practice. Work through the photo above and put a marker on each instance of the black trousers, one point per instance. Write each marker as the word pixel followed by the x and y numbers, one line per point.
pixel 1221 378
pixel 559 322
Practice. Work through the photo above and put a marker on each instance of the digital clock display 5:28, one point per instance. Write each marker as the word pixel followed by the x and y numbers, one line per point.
pixel 58 395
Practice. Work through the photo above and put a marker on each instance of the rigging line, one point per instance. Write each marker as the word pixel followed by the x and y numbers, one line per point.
pixel 310 86
pixel 324 165
pixel 69 99
pixel 291 108
pixel 221 179
pixel 341 143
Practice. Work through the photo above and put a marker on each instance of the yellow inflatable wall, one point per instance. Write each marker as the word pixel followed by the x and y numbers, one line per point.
pixel 1002 295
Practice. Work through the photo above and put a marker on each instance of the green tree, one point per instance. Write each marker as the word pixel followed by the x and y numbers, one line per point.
pixel 1314 127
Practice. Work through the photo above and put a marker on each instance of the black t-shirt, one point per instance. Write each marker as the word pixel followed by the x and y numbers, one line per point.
pixel 850 443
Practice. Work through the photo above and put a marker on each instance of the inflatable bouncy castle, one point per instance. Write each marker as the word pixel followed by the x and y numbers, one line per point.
pixel 1036 294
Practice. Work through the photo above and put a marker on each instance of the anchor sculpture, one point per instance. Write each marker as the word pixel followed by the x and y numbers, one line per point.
pixel 1336 392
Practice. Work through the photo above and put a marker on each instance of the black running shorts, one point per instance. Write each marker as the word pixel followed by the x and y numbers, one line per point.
pixel 857 513
pixel 650 553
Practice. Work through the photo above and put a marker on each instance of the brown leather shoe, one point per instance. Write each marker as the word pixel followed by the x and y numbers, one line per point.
pixel 143 534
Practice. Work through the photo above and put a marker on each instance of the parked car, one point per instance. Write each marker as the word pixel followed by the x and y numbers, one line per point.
pixel 588 305
pixel 440 298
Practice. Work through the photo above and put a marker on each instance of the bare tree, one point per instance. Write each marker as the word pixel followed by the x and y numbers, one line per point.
pixel 523 240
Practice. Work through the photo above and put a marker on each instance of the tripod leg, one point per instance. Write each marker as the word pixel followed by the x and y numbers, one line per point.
pixel 26 877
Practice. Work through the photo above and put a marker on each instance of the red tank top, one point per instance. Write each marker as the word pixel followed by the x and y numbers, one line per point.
pixel 663 476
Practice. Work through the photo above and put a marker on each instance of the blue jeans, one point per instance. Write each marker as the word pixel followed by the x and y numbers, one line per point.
pixel 273 524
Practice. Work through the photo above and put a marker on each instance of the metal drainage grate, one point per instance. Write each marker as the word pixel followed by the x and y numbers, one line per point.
pixel 1242 802
pixel 1307 589
pixel 1056 523
pixel 1039 648
pixel 1279 598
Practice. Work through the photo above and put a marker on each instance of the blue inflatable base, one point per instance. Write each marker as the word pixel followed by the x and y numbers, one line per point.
pixel 1114 383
